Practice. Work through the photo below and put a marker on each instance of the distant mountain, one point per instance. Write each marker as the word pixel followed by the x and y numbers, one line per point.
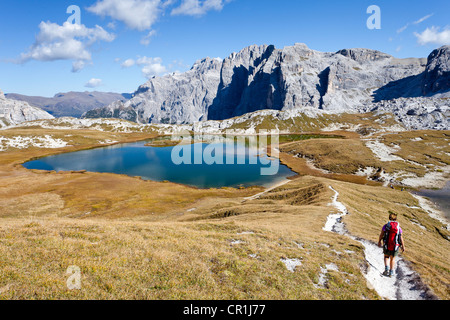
pixel 293 78
pixel 13 112
pixel 71 104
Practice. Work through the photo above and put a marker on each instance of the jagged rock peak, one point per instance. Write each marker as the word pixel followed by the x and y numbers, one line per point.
pixel 250 50
pixel 207 63
pixel 442 51
pixel 437 73
pixel 301 46
pixel 2 95
pixel 261 77
pixel 14 112
pixel 249 56
pixel 364 55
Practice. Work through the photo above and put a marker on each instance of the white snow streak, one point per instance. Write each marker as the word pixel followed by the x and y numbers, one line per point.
pixel 19 142
pixel 403 286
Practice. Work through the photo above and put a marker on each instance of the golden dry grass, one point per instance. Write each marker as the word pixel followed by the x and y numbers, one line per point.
pixel 90 194
pixel 340 156
pixel 183 260
pixel 367 123
pixel 430 148
pixel 135 239
pixel 427 240
pixel 121 260
pixel 422 152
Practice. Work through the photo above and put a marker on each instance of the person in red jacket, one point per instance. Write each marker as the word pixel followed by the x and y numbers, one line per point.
pixel 392 237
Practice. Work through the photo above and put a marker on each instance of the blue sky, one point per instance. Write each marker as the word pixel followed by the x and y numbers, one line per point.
pixel 120 43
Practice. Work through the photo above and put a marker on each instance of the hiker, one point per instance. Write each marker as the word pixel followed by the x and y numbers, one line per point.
pixel 392 237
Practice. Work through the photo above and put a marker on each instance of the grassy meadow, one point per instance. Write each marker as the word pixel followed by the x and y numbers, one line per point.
pixel 136 239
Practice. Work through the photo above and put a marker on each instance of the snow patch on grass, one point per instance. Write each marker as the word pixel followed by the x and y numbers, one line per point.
pixel 291 264
pixel 405 285
pixel 20 142
pixel 382 151
pixel 430 180
pixel 322 284
pixel 334 221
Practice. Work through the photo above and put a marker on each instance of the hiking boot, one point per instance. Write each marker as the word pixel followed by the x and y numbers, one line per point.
pixel 386 273
pixel 391 273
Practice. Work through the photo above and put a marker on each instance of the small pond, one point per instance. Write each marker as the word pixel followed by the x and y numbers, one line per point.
pixel 441 198
pixel 235 164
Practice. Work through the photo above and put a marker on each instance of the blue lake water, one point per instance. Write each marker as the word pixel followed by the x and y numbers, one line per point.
pixel 156 163
pixel 441 198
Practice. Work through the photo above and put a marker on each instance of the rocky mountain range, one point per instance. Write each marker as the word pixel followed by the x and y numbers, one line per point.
pixel 71 104
pixel 14 112
pixel 416 90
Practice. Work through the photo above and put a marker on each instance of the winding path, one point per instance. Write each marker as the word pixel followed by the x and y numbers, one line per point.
pixel 405 285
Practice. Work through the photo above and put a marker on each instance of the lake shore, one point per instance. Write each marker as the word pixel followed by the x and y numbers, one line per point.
pixel 440 198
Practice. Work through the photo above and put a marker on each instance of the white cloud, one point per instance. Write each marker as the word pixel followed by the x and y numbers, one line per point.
pixel 128 63
pixel 403 28
pixel 153 69
pixel 423 18
pixel 136 14
pixel 151 66
pixel 141 15
pixel 53 32
pixel 146 40
pixel 66 42
pixel 198 7
pixel 78 65
pixel 111 25
pixel 94 83
pixel 433 36
pixel 415 22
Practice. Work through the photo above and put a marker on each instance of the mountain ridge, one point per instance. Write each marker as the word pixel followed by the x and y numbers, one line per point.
pixel 14 112
pixel 71 104
pixel 261 77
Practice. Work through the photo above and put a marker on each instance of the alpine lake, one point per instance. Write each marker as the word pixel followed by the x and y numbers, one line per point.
pixel 207 161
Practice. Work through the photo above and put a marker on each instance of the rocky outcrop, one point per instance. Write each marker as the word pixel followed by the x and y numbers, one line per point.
pixel 175 98
pixel 246 84
pixel 436 77
pixel 417 113
pixel 14 112
pixel 364 55
pixel 71 104
pixel 293 78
